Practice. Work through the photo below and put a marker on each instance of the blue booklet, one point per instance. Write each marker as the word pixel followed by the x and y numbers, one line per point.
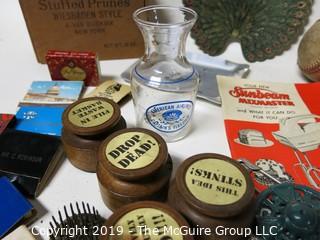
pixel 40 119
pixel 14 207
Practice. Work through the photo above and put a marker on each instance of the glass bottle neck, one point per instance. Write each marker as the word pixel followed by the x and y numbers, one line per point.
pixel 164 43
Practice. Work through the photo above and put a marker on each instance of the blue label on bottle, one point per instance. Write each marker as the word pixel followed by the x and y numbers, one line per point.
pixel 171 116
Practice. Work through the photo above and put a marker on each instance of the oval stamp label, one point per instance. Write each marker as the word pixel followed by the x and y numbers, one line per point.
pixel 215 181
pixel 132 150
pixel 171 116
pixel 72 72
pixel 90 113
pixel 147 223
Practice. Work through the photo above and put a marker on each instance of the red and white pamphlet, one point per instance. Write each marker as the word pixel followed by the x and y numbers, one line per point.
pixel 273 129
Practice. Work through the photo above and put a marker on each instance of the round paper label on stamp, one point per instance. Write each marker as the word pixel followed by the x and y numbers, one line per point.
pixel 147 223
pixel 215 181
pixel 90 113
pixel 132 150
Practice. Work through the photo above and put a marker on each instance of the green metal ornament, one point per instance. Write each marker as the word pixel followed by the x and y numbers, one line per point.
pixel 265 28
pixel 288 211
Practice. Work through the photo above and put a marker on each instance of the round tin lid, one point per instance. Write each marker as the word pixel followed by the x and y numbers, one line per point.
pixel 215 185
pixel 133 153
pixel 91 116
pixel 146 220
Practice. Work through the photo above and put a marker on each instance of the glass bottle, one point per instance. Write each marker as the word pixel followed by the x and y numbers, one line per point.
pixel 164 84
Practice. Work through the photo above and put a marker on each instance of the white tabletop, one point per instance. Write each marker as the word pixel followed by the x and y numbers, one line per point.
pixel 18 68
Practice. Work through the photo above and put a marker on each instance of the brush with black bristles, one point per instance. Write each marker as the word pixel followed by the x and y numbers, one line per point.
pixel 82 224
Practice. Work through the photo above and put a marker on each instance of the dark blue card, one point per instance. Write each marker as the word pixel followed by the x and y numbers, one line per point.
pixel 40 119
pixel 13 206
